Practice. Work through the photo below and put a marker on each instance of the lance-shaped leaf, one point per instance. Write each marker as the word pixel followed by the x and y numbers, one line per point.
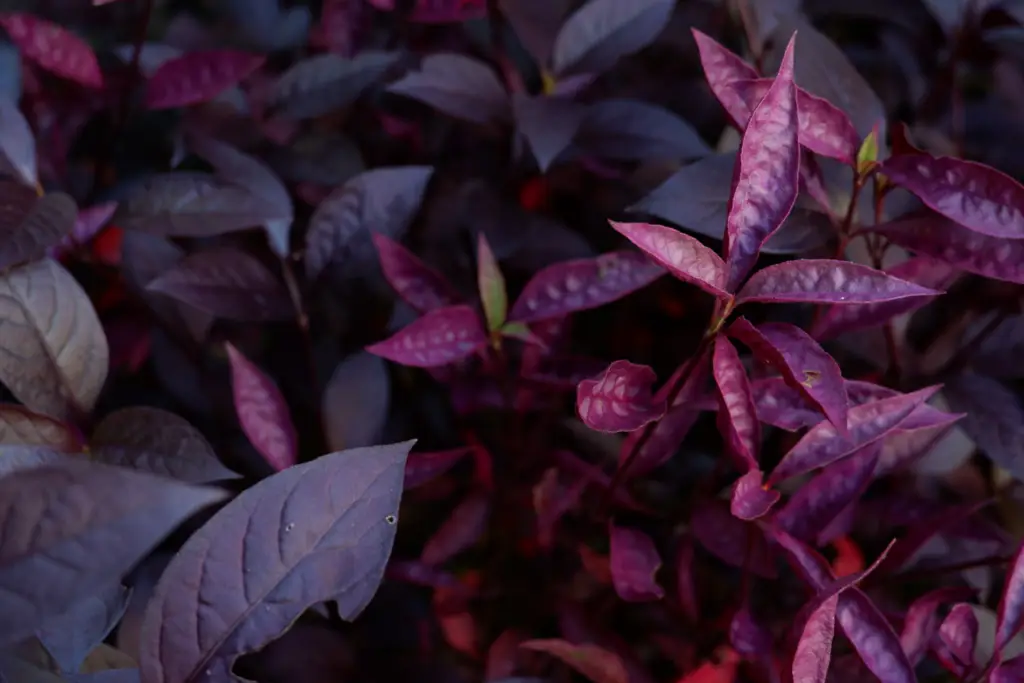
pixel 262 412
pixel 26 236
pixel 723 68
pixel 938 237
pixel 457 85
pixel 54 354
pixel 782 406
pixel 440 337
pixel 976 196
pixel 619 400
pixel 751 498
pixel 632 130
pixel 197 77
pixel 814 649
pixel 72 527
pixel 634 563
pixel 922 620
pixel 548 124
pixel 867 423
pixel 21 427
pixel 994 418
pixel 88 223
pixel 582 284
pixel 72 636
pixel 826 281
pixel 461 531
pixel 17 143
pixel 767 178
pixel 490 285
pixel 421 468
pixel 959 634
pixel 1011 604
pixel 684 256
pixel 726 537
pixel 598 34
pixel 416 283
pixel 806 366
pixel 737 416
pixel 53 48
pixel 318 531
pixel 324 83
pixel 591 661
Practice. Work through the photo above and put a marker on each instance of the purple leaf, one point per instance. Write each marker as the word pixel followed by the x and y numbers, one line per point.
pixel 262 412
pixel 197 77
pixel 356 402
pixel 228 283
pixel 31 227
pixel 88 224
pixel 959 633
pixel 682 255
pixel 490 285
pixel 619 400
pixel 601 32
pixel 867 423
pixel 547 124
pixel 1011 604
pixel 737 417
pixel 71 637
pixel 751 499
pixel 440 337
pixel 631 130
pixel 782 406
pixel 17 144
pixel 461 531
pixel 457 85
pixel 422 468
pixel 324 83
pixel 767 174
pixel 805 366
pixel 21 427
pixel 924 530
pixel 748 637
pixel 1010 671
pixel 723 68
pixel 72 526
pixel 436 11
pixel 994 418
pixel 726 537
pixel 976 196
pixel 922 620
pixel 53 48
pixel 827 281
pixel 814 649
pixel 536 24
pixel 634 562
pixel 318 531
pixel 582 284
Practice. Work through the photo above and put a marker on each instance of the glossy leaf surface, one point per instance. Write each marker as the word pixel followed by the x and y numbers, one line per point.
pixel 619 400
pixel 440 337
pixel 826 281
pixel 682 255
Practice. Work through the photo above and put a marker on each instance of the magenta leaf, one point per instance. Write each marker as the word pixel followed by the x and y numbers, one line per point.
pixel 976 196
pixel 440 337
pixel 684 256
pixel 318 531
pixel 422 468
pixel 827 281
pixel 461 531
pixel 457 85
pixel 414 281
pixel 767 175
pixel 726 537
pixel 751 499
pixel 1011 604
pixel 806 366
pixel 959 633
pixel 747 636
pixel 634 562
pixel 814 649
pixel 923 620
pixel 582 284
pixel 619 400
pixel 867 423
pixel 53 48
pixel 197 77
pixel 262 412
pixel 1010 671
pixel 723 68
pixel 737 416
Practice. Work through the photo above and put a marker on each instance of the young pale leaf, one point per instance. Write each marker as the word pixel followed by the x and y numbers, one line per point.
pixel 17 143
pixel 197 77
pixel 416 283
pixel 27 237
pixel 262 412
pixel 922 622
pixel 382 201
pixel 440 337
pixel 461 531
pixel 53 48
pixel 582 284
pixel 457 85
pixel 355 403
pixel 54 355
pixel 767 178
pixel 723 68
pixel 228 283
pixel 631 130
pixel 867 153
pixel 75 525
pixel 684 256
pixel 737 416
pixel 959 634
pixel 491 285
pixel 21 427
pixel 598 34
pixel 814 649
pixel 827 281
pixel 324 83
pixel 806 366
pixel 1011 604
pixel 422 468
pixel 591 661
pixel 318 531
pixel 72 636
pixel 751 498
pixel 548 124
pixel 619 400
pixel 634 562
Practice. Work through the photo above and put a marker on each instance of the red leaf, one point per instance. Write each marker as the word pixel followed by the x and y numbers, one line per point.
pixel 463 528
pixel 595 663
pixel 421 468
pixel 814 651
pixel 737 417
pixel 634 565
pixel 684 256
pixel 619 400
pixel 1011 604
pixel 414 281
pixel 1010 671
pixel 262 412
pixel 53 48
pixel 751 498
pixel 197 77
pixel 827 281
pixel 440 337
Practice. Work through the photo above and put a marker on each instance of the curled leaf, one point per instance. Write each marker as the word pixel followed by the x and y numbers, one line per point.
pixel 751 499
pixel 440 337
pixel 619 400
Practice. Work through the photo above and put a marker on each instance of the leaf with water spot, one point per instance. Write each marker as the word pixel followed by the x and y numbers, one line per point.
pixel 415 282
pixel 197 77
pixel 682 255
pixel 262 412
pixel 619 400
pixel 442 336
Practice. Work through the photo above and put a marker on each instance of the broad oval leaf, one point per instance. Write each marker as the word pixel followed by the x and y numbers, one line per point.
pixel 827 281
pixel 50 220
pixel 751 498
pixel 1011 604
pixel 355 402
pixel 75 525
pixel 634 562
pixel 53 48
pixel 582 284
pixel 461 531
pixel 737 417
pixel 318 531
pixel 71 637
pixel 682 255
pixel 547 124
pixel 321 84
pixel 416 283
pixel 440 337
pixel 598 34
pixel 457 85
pixel 631 130
pixel 262 412
pixel 54 355
pixel 21 427
pixel 17 143
pixel 197 77
pixel 619 400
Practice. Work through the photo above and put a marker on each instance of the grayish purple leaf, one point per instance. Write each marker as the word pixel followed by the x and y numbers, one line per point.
pixel 327 82
pixel 994 418
pixel 17 143
pixel 460 86
pixel 30 235
pixel 631 130
pixel 547 124
pixel 71 637
pixel 355 402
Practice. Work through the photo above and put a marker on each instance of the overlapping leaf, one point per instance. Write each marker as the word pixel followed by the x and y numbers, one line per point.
pixel 461 531
pixel 683 256
pixel 17 143
pixel 826 281
pixel 595 663
pixel 440 337
pixel 959 634
pixel 197 77
pixel 633 130
pixel 723 68
pixel 354 406
pixel 619 400
pixel 415 282
pixel 547 124
pixel 321 84
pixel 751 498
pixel 262 412
pixel 29 229
pixel 21 427
pixel 72 636
pixel 923 620
pixel 53 48
pixel 457 85
pixel 634 563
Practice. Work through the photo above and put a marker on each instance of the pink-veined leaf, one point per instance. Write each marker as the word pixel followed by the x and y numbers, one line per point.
pixel 867 423
pixel 197 77
pixel 582 284
pixel 976 196
pixel 684 256
pixel 619 400
pixel 421 468
pixel 767 178
pixel 593 662
pixel 922 621
pixel 1011 605
pixel 53 48
pixel 463 528
pixel 437 11
pixel 750 498
pixel 737 416
pixel 262 412
pixel 825 281
pixel 442 336
pixel 804 365
pixel 722 68
pixel 634 565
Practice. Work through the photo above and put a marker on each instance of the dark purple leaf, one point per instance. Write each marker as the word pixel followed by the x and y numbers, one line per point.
pixel 827 281
pixel 71 637
pixel 723 68
pixel 547 124
pixel 922 620
pixel 923 530
pixel 17 144
pixel 959 633
pixel 582 284
pixel 337 31
pixel 324 83
pixel 356 401
pixel 631 130
pixel 262 412
pixel 751 498
pixel 228 283
pixel 634 562
pixel 53 48
pixel 737 416
pixel 21 427
pixel 619 400
pixel 748 637
pixel 766 180
pixel 318 531
pixel 422 468
pixel 728 538
pixel 1011 604
pixel 197 77
pixel 461 531
pixel 437 11
pixel 536 23
pixel 994 418
pixel 683 256
pixel 1010 671
pixel 440 337
pixel 460 86
pixel 29 235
